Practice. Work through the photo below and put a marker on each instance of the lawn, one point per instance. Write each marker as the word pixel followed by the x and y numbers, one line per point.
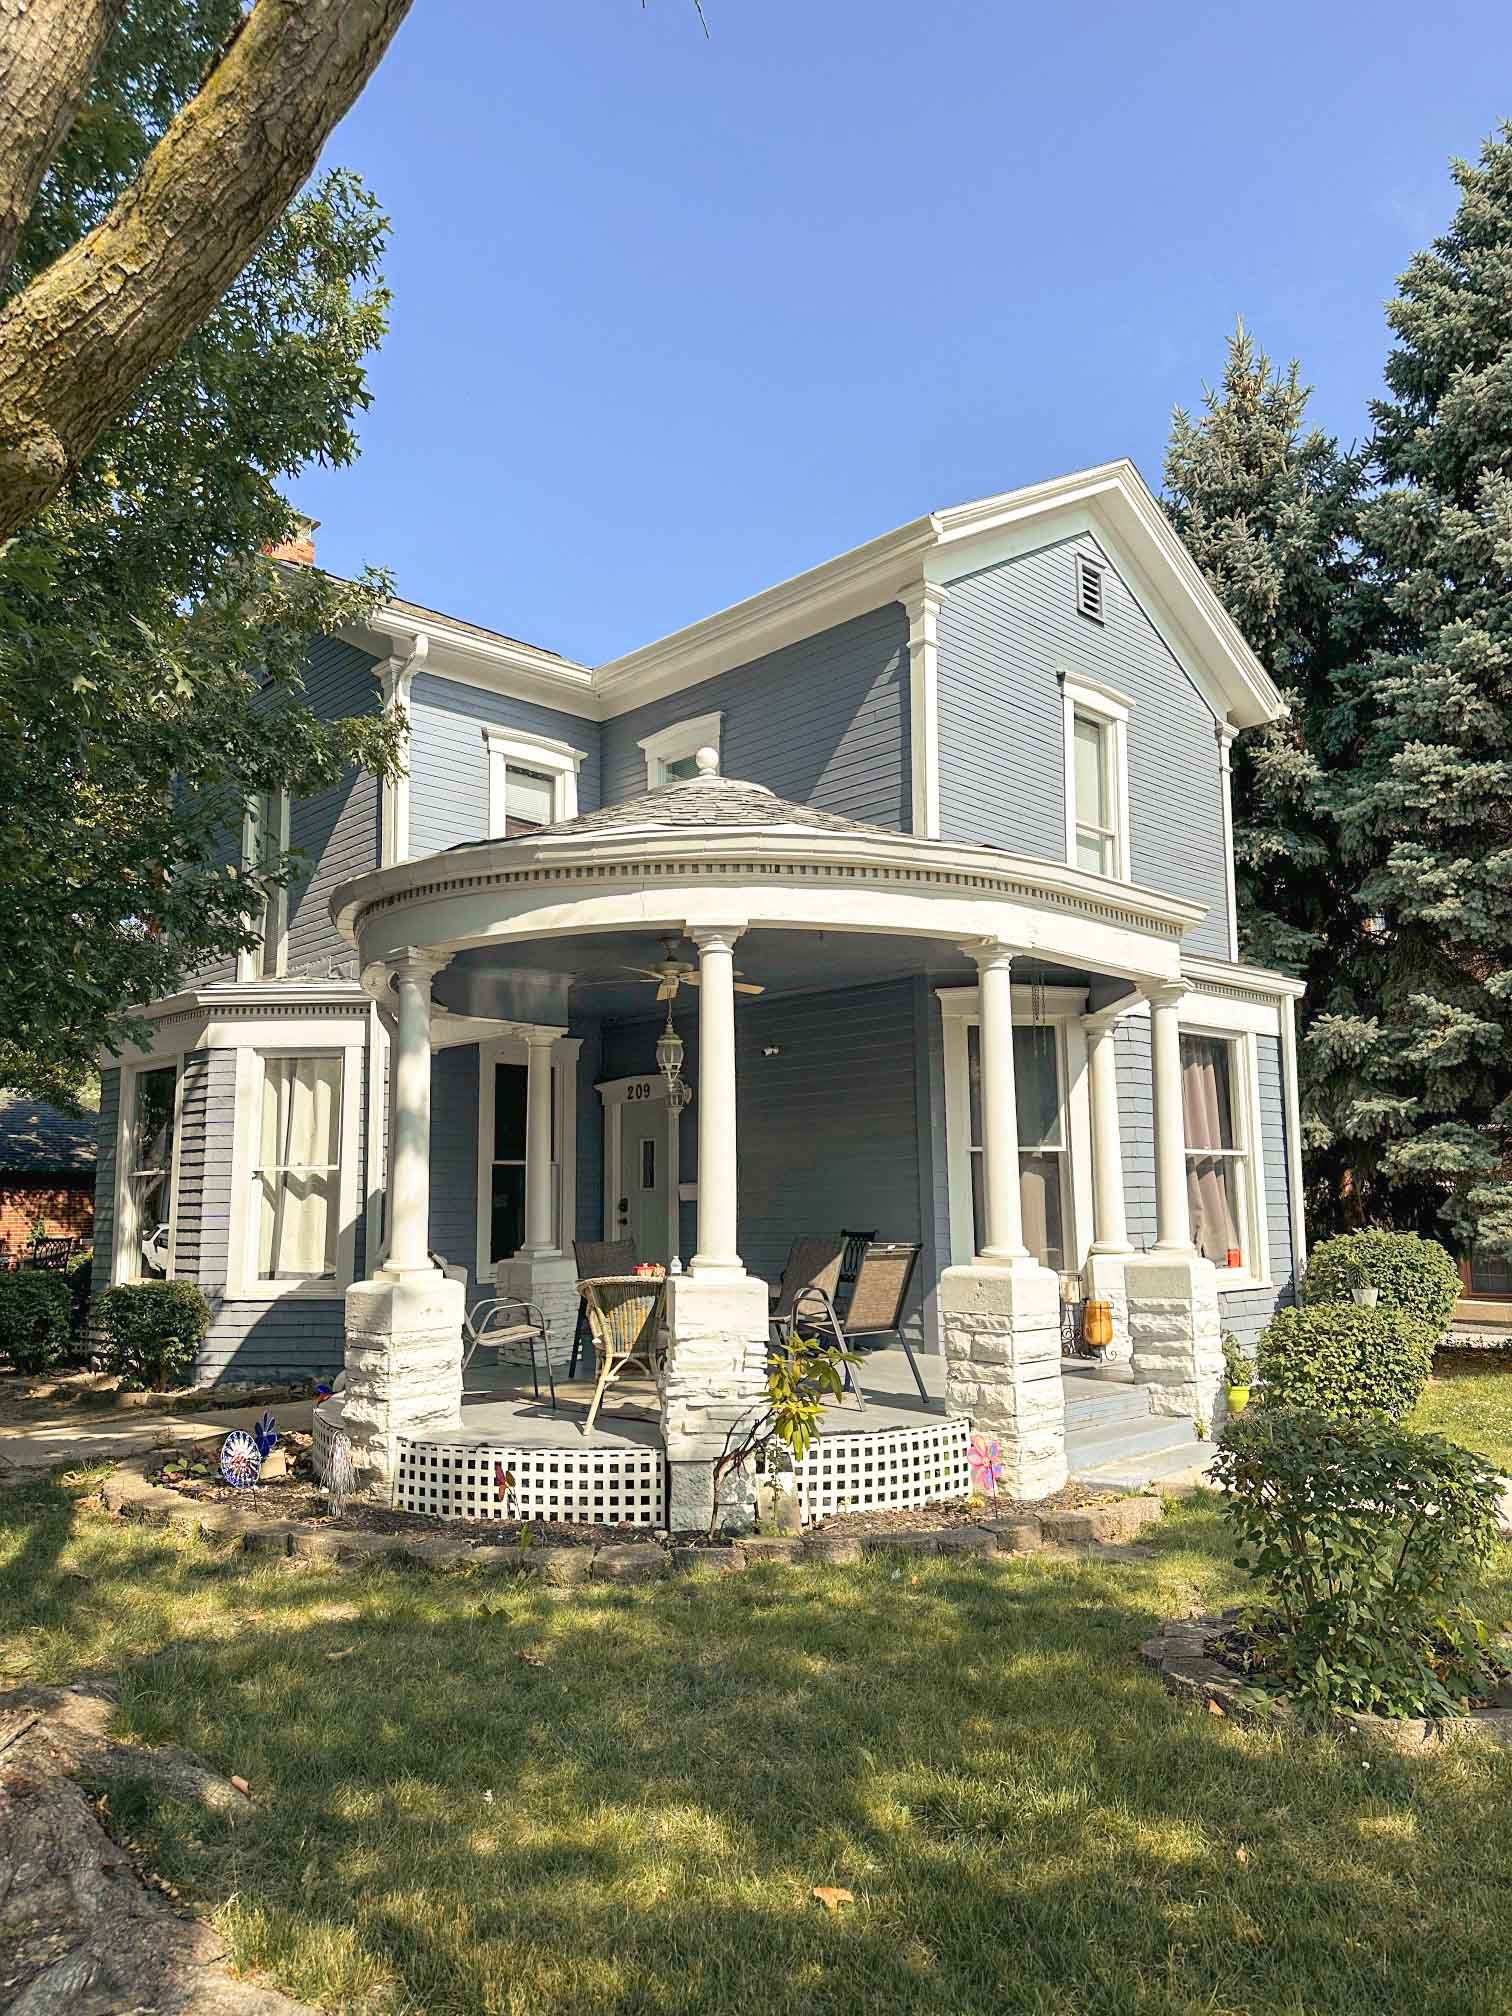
pixel 1470 1401
pixel 477 1797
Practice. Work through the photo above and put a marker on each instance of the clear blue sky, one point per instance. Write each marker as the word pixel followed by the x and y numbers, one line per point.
pixel 677 318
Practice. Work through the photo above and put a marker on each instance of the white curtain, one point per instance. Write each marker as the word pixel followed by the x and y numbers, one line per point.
pixel 301 1132
pixel 1207 1108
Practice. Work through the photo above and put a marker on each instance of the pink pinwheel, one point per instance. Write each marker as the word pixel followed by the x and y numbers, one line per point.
pixel 986 1464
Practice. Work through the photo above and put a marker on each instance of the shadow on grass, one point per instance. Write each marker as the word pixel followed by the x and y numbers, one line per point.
pixel 476 1797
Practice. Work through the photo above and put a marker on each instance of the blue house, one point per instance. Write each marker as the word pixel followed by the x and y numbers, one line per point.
pixel 924 857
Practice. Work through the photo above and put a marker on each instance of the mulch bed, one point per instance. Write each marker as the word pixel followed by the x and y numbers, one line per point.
pixel 963 1512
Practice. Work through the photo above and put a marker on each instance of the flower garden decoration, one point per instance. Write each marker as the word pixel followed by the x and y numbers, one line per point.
pixel 986 1460
pixel 240 1460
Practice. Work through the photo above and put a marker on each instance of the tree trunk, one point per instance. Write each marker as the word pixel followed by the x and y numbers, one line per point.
pixel 76 344
pixel 48 53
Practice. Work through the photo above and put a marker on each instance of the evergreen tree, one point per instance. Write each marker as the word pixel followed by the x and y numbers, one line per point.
pixel 1421 1084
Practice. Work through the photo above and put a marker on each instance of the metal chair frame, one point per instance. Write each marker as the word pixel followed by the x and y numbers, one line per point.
pixel 482 1326
pixel 815 1311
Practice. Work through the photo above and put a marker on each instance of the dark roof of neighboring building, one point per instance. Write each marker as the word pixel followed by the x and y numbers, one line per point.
pixel 397 602
pixel 41 1140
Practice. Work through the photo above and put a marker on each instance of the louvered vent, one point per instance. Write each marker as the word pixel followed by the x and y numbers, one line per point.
pixel 1089 589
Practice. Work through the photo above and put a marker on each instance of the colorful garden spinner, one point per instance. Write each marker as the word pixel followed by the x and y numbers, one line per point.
pixel 986 1464
pixel 240 1459
pixel 265 1435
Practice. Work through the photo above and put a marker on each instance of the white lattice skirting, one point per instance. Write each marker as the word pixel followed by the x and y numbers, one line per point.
pixel 893 1468
pixel 323 1426
pixel 600 1487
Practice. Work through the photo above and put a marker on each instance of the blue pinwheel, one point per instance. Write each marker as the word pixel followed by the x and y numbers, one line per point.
pixel 265 1435
pixel 240 1459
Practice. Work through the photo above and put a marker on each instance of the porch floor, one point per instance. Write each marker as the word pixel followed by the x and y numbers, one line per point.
pixel 499 1408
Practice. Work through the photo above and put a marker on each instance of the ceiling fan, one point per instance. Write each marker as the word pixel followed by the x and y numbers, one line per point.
pixel 673 973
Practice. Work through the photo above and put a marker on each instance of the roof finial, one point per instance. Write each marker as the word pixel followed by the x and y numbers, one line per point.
pixel 707 761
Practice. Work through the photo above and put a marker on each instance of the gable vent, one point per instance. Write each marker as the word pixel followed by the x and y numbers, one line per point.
pixel 1089 588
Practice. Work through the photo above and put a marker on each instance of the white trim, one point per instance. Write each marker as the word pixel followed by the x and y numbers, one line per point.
pixel 564 1061
pixel 126 1231
pixel 1225 733
pixel 1290 1092
pixel 375 1143
pixel 242 1284
pixel 474 657
pixel 1110 710
pixel 276 925
pixel 677 742
pixel 396 677
pixel 922 602
pixel 557 760
pixel 616 1093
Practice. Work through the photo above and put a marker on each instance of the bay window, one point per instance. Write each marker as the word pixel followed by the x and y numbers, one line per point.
pixel 294 1195
pixel 148 1187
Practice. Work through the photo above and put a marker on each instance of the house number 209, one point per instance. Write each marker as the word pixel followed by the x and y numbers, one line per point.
pixel 641 1090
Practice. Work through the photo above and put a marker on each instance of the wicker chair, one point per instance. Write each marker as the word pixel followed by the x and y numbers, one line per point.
pixel 625 1313
pixel 594 1258
pixel 876 1307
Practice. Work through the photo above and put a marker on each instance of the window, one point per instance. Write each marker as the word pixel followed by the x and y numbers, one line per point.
pixel 1089 589
pixel 1042 1139
pixel 1097 785
pixel 671 752
pixel 1487 1273
pixel 295 1176
pixel 506 1195
pixel 265 839
pixel 1217 1150
pixel 147 1251
pixel 532 782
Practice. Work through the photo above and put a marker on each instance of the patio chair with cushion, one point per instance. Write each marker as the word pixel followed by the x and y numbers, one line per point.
pixel 594 1258
pixel 876 1306
pixel 625 1313
pixel 502 1322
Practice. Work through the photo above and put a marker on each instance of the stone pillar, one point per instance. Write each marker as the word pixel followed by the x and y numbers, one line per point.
pixel 541 1272
pixel 1173 1292
pixel 1104 1272
pixel 717 1200
pixel 1000 1317
pixel 404 1326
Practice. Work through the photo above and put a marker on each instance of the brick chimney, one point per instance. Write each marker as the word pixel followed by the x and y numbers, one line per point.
pixel 298 551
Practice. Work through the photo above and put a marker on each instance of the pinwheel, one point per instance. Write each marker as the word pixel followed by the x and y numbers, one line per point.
pixel 986 1464
pixel 265 1435
pixel 240 1459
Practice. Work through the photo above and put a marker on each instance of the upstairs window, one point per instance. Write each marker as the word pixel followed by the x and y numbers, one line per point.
pixel 528 800
pixel 671 753
pixel 532 782
pixel 1097 784
pixel 265 840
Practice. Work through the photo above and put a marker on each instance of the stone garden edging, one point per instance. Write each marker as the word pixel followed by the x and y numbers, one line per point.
pixel 1178 1654
pixel 130 1493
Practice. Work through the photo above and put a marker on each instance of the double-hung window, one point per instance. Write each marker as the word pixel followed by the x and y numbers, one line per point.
pixel 1097 784
pixel 532 782
pixel 297 1167
pixel 1218 1158
pixel 147 1250
pixel 1041 1138
pixel 265 840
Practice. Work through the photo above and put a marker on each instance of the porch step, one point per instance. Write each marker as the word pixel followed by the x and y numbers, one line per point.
pixel 1116 1452
pixel 1185 1461
pixel 1090 1405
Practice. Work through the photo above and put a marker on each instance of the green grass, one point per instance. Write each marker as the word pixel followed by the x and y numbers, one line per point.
pixel 1470 1400
pixel 1027 1821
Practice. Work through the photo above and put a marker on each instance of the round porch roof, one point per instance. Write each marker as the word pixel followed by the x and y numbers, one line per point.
pixel 712 851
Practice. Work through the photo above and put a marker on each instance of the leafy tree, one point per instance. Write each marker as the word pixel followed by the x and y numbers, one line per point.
pixel 150 654
pixel 1425 1077
pixel 93 322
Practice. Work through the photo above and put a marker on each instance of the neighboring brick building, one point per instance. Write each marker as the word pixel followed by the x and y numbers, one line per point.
pixel 47 1172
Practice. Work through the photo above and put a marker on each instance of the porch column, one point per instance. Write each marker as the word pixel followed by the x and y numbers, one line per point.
pixel 1110 1233
pixel 1002 1214
pixel 540 1046
pixel 410 1125
pixel 1173 1221
pixel 717 1184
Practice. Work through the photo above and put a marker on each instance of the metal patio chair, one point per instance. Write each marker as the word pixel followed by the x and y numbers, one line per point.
pixel 595 1258
pixel 812 1265
pixel 500 1321
pixel 876 1307
pixel 625 1315
pixel 856 1244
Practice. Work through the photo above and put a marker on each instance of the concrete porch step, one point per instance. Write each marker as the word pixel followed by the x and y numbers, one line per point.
pixel 1086 1448
pixel 1184 1463
pixel 1091 1406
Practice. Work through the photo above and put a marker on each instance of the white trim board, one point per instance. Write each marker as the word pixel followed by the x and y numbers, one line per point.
pixel 678 741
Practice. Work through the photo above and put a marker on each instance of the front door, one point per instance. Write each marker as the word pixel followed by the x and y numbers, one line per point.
pixel 643 1180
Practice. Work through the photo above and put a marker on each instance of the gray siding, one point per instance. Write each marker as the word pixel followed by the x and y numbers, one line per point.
pixel 449 762
pixel 828 1129
pixel 105 1180
pixel 823 722
pixel 454 1160
pixel 1006 636
pixel 337 831
pixel 1244 1312
pixel 934 1162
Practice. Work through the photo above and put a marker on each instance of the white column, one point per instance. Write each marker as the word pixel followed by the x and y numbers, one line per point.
pixel 409 1172
pixel 1002 1215
pixel 1110 1233
pixel 539 1049
pixel 717 1200
pixel 1173 1222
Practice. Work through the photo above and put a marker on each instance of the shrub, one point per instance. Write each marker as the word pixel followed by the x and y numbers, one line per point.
pixel 35 1310
pixel 1345 1361
pixel 153 1331
pixel 1367 1541
pixel 80 1278
pixel 1414 1275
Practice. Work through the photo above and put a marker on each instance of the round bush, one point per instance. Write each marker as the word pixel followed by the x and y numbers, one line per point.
pixel 35 1318
pixel 1414 1275
pixel 153 1331
pixel 1344 1361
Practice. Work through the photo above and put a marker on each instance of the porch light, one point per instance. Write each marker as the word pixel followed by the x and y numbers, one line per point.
pixel 669 1060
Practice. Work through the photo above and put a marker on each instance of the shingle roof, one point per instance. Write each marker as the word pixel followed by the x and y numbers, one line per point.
pixel 41 1140
pixel 691 803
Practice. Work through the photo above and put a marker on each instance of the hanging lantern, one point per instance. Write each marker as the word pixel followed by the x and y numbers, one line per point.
pixel 669 1061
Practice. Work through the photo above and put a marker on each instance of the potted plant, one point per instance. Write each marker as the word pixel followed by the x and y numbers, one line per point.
pixel 1236 1374
pixel 1361 1288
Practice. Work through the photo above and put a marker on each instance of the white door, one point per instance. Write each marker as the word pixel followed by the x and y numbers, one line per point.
pixel 643 1180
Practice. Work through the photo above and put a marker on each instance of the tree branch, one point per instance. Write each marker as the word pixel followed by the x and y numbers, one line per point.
pixel 76 344
pixel 49 50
